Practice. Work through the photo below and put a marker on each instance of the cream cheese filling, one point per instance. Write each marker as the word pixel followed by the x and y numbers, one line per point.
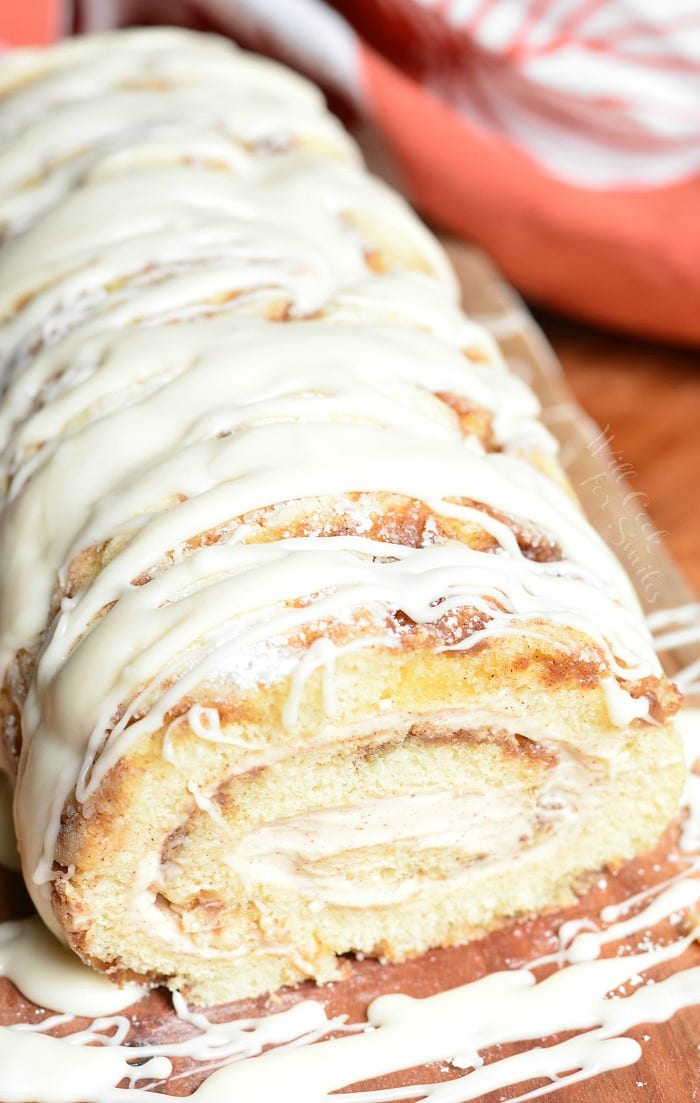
pixel 331 856
pixel 345 856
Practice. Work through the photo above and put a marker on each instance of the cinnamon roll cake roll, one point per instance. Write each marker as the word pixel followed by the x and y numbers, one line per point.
pixel 307 647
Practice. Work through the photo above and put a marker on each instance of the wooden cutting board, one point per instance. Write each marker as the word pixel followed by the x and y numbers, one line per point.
pixel 669 1070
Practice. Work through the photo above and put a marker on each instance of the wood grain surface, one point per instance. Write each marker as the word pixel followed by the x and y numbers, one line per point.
pixel 649 399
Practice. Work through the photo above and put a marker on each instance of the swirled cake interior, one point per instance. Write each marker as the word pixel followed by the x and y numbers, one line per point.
pixel 307 648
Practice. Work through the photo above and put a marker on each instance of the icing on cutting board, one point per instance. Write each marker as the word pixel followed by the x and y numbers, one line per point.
pixel 404 1032
pixel 519 1005
pixel 217 215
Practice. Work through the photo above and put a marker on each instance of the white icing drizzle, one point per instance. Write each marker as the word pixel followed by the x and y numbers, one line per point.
pixel 500 1008
pixel 402 1032
pixel 150 104
pixel 216 582
pixel 405 1032
pixel 80 1069
pixel 676 628
pixel 51 976
pixel 160 177
pixel 623 708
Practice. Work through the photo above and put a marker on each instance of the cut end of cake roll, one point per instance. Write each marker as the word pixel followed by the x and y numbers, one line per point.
pixel 306 647
pixel 423 812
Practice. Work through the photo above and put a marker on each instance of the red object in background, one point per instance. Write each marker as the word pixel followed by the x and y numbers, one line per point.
pixel 561 135
pixel 622 257
pixel 590 203
pixel 31 22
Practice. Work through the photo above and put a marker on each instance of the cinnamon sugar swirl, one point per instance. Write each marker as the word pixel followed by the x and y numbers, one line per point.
pixel 307 647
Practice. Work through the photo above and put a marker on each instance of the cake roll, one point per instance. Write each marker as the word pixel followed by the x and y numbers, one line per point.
pixel 307 647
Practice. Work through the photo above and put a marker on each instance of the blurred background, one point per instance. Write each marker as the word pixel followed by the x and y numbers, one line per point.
pixel 562 137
